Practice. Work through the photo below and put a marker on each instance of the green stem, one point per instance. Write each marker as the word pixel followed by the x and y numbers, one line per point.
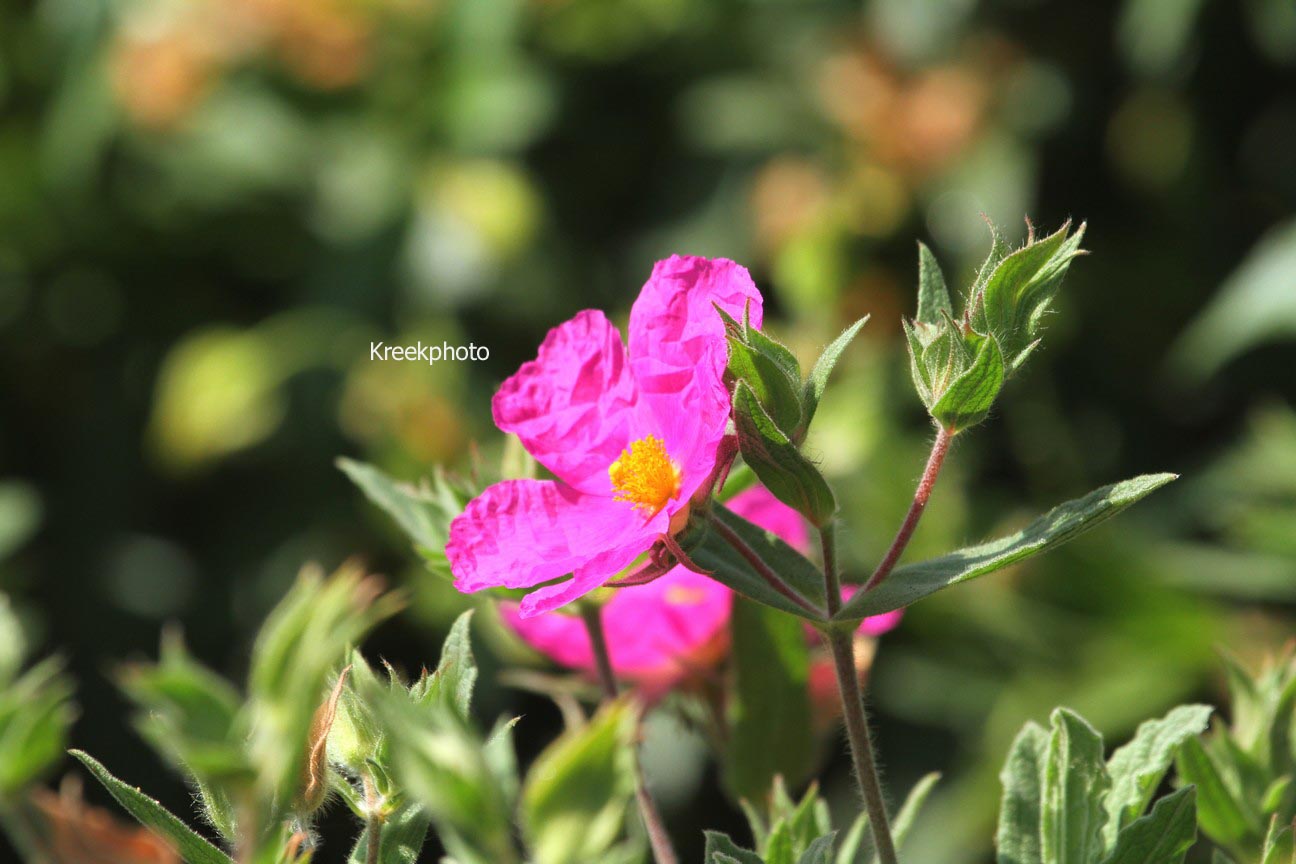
pixel 940 447
pixel 658 838
pixel 861 742
pixel 374 820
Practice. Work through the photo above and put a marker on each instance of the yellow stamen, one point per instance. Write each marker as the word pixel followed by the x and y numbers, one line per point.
pixel 645 475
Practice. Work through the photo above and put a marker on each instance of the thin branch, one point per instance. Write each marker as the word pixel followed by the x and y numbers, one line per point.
pixel 940 447
pixel 373 848
pixel 658 838
pixel 861 743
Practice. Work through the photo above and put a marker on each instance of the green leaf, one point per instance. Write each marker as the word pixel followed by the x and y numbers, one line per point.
pixel 1278 845
pixel 1020 289
pixel 1222 816
pixel 575 795
pixel 770 705
pixel 1018 839
pixel 778 463
pixel 419 513
pixel 35 714
pixel 400 840
pixel 933 296
pixel 912 582
pixel 777 393
pixel 152 815
pixel 456 674
pixel 301 646
pixel 820 851
pixel 969 397
pixel 908 813
pixel 853 842
pixel 189 714
pixel 1138 768
pixel 817 383
pixel 439 762
pixel 778 850
pixel 730 568
pixel 721 850
pixel 1161 837
pixel 774 350
pixel 1075 780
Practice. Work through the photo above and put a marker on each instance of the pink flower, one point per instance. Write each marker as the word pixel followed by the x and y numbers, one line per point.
pixel 659 632
pixel 630 436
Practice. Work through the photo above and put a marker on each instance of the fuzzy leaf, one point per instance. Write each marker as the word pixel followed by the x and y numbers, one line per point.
pixel 933 296
pixel 575 795
pixel 731 569
pixel 817 383
pixel 778 463
pixel 820 851
pixel 969 397
pixel 1075 780
pixel 912 582
pixel 189 845
pixel 1018 839
pixel 721 850
pixel 777 393
pixel 1161 837
pixel 1222 815
pixel 1137 768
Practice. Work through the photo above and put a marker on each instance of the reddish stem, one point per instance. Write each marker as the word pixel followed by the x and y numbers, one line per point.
pixel 934 462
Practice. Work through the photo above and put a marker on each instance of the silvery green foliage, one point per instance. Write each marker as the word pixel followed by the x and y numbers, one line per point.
pixel 786 831
pixel 1063 804
pixel 1243 771
pixel 959 364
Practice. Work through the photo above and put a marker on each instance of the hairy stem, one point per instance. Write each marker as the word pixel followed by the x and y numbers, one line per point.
pixel 762 569
pixel 861 743
pixel 940 447
pixel 663 851
pixel 374 823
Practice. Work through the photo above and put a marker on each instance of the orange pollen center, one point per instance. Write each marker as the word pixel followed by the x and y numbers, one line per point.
pixel 645 475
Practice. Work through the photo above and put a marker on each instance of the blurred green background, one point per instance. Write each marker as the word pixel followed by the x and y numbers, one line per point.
pixel 209 207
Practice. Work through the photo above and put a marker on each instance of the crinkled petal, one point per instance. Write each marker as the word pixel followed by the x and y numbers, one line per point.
pixel 656 633
pixel 662 631
pixel 522 533
pixel 573 406
pixel 678 354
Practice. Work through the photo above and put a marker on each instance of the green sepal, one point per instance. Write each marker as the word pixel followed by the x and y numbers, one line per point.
pixel 933 296
pixel 784 470
pixel 968 398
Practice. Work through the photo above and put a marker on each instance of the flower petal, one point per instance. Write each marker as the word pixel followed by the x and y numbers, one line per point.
pixel 656 632
pixel 522 533
pixel 678 354
pixel 573 405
